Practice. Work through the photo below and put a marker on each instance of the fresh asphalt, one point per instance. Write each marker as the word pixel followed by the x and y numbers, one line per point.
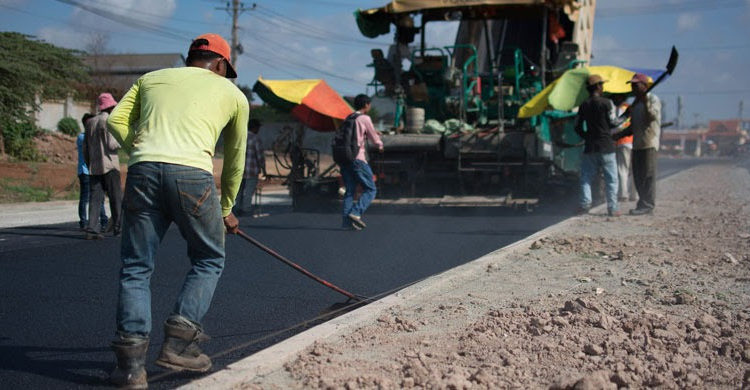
pixel 58 291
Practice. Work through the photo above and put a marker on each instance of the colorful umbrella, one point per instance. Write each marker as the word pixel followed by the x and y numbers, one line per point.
pixel 312 102
pixel 569 90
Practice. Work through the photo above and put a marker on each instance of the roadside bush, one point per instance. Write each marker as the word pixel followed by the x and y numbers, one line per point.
pixel 68 126
pixel 18 138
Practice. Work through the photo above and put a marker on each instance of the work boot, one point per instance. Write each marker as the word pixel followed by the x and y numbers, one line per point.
pixel 180 350
pixel 130 372
pixel 357 221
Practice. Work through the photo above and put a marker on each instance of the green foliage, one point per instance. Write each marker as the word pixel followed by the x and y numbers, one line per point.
pixel 267 114
pixel 31 68
pixel 69 126
pixel 248 91
pixel 19 139
pixel 14 191
pixel 374 114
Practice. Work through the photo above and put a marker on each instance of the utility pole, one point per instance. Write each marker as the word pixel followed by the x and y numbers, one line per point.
pixel 679 113
pixel 235 9
pixel 742 108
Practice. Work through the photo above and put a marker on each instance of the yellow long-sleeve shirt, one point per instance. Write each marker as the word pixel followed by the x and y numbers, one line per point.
pixel 176 116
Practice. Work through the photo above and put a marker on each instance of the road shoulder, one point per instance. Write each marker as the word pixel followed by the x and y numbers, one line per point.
pixel 654 301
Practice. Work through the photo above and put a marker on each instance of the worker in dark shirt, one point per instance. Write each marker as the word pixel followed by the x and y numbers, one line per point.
pixel 598 113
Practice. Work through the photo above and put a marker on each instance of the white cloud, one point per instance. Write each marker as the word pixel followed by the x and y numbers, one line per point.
pixel 64 37
pixel 440 34
pixel 688 21
pixel 153 12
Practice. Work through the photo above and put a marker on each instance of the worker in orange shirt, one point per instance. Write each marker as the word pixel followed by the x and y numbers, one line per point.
pixel 623 152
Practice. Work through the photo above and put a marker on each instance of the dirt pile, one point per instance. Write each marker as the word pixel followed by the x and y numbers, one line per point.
pixel 57 148
pixel 629 302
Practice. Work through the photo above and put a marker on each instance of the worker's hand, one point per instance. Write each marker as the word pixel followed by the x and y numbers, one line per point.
pixel 381 150
pixel 231 223
pixel 261 177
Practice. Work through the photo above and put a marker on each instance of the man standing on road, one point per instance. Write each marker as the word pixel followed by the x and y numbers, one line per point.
pixel 645 126
pixel 100 151
pixel 597 112
pixel 84 182
pixel 169 122
pixel 359 172
pixel 255 169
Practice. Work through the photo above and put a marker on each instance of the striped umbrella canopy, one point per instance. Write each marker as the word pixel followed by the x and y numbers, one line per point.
pixel 313 102
pixel 569 90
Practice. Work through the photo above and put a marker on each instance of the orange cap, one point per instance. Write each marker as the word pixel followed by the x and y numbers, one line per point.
pixel 218 45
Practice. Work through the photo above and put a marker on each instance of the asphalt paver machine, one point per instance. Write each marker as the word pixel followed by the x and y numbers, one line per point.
pixel 453 125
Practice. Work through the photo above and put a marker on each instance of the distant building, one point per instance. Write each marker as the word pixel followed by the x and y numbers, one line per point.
pixel 688 142
pixel 116 73
pixel 728 134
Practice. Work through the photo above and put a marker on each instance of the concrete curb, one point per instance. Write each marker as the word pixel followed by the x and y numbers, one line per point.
pixel 272 359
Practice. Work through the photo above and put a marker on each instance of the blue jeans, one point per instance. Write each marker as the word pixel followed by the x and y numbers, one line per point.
pixel 244 202
pixel 157 194
pixel 590 164
pixel 83 203
pixel 358 172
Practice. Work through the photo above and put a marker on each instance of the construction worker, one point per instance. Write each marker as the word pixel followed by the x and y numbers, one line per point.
pixel 645 126
pixel 255 170
pixel 100 154
pixel 169 123
pixel 358 171
pixel 598 114
pixel 624 152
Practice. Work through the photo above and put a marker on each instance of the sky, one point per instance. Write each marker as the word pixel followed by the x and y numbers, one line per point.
pixel 289 39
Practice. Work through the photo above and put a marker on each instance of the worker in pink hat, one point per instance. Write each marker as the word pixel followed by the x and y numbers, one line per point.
pixel 169 122
pixel 100 153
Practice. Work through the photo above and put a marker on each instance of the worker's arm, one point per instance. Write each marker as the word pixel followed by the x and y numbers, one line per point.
pixel 616 123
pixel 653 107
pixel 235 145
pixel 112 144
pixel 628 131
pixel 653 114
pixel 123 118
pixel 370 132
pixel 579 124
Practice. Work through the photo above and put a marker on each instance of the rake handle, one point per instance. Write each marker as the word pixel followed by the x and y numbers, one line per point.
pixel 297 267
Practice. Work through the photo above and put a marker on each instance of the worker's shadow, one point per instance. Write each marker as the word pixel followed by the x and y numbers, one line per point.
pixel 63 364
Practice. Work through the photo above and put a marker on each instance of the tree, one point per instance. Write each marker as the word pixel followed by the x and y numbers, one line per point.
pixel 32 71
pixel 248 91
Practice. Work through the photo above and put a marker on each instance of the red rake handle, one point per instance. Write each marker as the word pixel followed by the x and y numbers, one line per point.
pixel 297 267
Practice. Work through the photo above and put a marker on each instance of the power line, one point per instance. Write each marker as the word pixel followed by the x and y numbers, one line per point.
pixel 274 56
pixel 309 30
pixel 153 15
pixel 75 25
pixel 131 21
pixel 650 9
pixel 280 27
pixel 325 3
pixel 706 92
pixel 696 48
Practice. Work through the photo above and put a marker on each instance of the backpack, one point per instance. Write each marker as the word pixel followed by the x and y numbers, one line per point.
pixel 344 145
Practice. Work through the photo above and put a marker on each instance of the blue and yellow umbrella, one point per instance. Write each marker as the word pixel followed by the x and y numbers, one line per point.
pixel 569 90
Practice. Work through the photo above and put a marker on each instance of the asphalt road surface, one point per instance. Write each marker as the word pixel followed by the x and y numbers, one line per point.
pixel 58 291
